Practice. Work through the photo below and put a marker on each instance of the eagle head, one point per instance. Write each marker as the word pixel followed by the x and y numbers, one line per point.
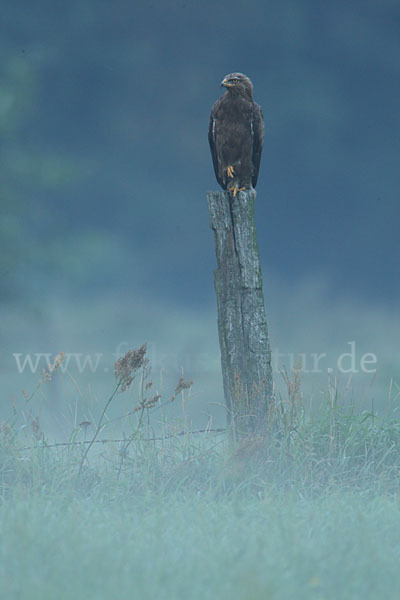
pixel 238 83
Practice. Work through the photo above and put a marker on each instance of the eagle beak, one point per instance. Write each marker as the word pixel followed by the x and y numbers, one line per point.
pixel 224 83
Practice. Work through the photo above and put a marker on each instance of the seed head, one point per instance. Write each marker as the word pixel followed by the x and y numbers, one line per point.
pixel 182 385
pixel 127 365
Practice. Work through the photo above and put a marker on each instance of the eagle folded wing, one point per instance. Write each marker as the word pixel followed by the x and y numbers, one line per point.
pixel 211 140
pixel 258 140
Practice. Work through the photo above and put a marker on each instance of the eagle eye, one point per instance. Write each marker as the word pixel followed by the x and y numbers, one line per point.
pixel 235 80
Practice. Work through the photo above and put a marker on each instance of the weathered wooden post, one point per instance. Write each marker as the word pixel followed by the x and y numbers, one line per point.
pixel 242 324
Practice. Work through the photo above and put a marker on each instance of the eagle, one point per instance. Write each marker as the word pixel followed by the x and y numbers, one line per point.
pixel 236 135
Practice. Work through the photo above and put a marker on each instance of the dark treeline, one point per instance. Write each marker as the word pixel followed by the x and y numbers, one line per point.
pixel 103 123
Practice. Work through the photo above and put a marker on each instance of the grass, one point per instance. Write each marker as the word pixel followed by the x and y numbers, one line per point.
pixel 342 546
pixel 312 511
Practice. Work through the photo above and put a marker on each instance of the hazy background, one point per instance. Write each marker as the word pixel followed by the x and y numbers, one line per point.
pixel 104 166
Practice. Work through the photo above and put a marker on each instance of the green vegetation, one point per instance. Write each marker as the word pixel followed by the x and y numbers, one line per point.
pixel 312 511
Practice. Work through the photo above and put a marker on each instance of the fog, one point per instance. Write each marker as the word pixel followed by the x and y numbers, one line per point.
pixel 328 338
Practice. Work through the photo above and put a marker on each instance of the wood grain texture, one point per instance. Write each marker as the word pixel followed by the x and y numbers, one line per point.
pixel 242 323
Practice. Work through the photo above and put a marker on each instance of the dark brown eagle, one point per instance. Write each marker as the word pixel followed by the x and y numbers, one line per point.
pixel 236 135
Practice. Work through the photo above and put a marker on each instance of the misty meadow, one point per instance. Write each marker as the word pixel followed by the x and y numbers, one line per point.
pixel 137 458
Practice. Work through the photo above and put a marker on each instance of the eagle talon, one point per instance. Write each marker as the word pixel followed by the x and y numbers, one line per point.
pixel 235 189
pixel 230 171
